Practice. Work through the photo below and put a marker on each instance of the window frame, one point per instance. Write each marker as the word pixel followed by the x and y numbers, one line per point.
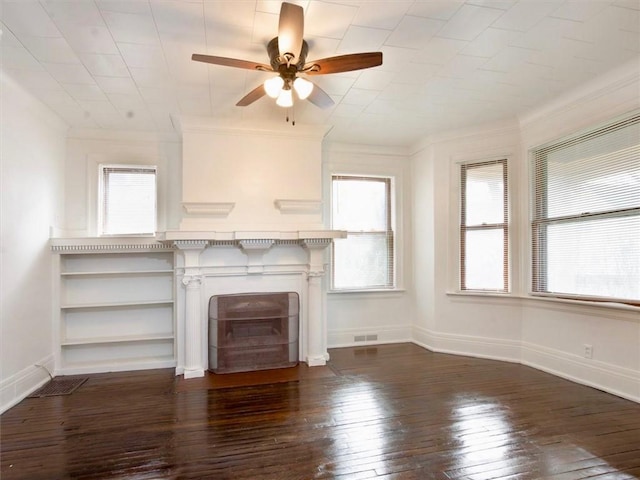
pixel 539 219
pixel 101 199
pixel 504 226
pixel 390 234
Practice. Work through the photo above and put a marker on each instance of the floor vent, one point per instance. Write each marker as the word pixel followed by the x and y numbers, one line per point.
pixel 58 386
pixel 365 338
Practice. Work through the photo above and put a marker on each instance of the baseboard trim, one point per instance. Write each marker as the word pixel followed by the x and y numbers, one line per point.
pixel 619 381
pixel 20 385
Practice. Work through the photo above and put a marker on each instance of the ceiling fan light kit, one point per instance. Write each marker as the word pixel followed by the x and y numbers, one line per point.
pixel 287 54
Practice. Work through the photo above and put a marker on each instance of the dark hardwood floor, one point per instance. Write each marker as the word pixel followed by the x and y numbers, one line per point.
pixel 388 412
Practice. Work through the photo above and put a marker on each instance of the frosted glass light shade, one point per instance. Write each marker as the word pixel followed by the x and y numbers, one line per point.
pixel 273 86
pixel 303 87
pixel 285 99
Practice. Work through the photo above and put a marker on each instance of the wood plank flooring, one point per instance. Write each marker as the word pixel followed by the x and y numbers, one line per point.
pixel 389 412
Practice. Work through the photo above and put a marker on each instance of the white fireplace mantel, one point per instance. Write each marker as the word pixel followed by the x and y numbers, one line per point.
pixel 198 280
pixel 172 236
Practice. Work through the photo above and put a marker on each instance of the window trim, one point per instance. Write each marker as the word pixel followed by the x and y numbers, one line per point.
pixel 538 214
pixel 390 181
pixel 504 226
pixel 100 209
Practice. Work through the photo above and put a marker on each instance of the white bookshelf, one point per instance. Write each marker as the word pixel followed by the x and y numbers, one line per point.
pixel 116 305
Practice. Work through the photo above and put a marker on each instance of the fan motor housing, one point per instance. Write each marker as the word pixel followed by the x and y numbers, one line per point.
pixel 277 60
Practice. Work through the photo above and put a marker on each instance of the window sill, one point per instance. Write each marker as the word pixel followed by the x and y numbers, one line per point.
pixel 367 290
pixel 531 297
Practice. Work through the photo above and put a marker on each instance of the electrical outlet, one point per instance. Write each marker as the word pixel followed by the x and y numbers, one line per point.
pixel 588 351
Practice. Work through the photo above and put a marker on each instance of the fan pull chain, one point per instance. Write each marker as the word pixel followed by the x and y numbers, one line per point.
pixel 293 116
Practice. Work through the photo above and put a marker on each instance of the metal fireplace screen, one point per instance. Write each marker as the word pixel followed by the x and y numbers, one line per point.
pixel 253 331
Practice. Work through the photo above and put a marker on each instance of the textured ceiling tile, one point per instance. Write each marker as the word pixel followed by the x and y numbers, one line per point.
pixel 84 92
pixel 524 15
pixel 490 42
pixel 373 80
pixel 440 50
pixel 123 85
pixel 438 9
pixel 462 66
pixel 579 10
pixel 362 39
pixel 358 96
pixel 132 28
pixel 508 59
pixel 35 79
pixel 51 50
pixel 469 22
pixel 18 58
pixel 231 12
pixel 105 65
pixel 28 18
pixel 124 6
pixel 178 17
pixel 545 34
pixel 381 14
pixel 66 73
pixel 72 12
pixel 142 56
pixel 85 39
pixel 396 59
pixel 328 19
pixel 413 32
pixel 150 77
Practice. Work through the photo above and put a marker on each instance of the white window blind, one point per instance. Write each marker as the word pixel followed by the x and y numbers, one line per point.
pixel 362 207
pixel 127 200
pixel 484 226
pixel 586 217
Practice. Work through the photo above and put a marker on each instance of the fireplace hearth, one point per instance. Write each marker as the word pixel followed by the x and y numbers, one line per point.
pixel 253 331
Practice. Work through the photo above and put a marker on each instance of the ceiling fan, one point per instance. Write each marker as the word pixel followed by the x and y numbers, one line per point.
pixel 288 54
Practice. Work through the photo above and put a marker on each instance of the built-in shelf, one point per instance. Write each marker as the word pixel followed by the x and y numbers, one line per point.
pixel 116 304
pixel 121 339
pixel 116 273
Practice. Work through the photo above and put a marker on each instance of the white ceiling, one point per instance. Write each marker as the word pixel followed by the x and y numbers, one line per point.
pixel 126 64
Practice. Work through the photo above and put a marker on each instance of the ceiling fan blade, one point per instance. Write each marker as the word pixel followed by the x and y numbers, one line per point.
pixel 343 63
pixel 231 62
pixel 290 30
pixel 255 94
pixel 320 98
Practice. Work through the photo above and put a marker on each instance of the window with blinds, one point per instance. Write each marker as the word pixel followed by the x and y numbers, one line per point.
pixel 127 200
pixel 362 207
pixel 484 226
pixel 586 215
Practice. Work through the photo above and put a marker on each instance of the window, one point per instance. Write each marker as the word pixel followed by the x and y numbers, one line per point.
pixel 362 207
pixel 484 230
pixel 586 214
pixel 127 200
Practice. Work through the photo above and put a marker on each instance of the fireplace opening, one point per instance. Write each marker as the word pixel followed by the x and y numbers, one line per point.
pixel 253 331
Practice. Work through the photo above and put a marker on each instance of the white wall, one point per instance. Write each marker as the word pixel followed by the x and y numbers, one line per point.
pixel 32 186
pixel 549 335
pixel 554 334
pixel 387 314
pixel 86 150
pixel 251 168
